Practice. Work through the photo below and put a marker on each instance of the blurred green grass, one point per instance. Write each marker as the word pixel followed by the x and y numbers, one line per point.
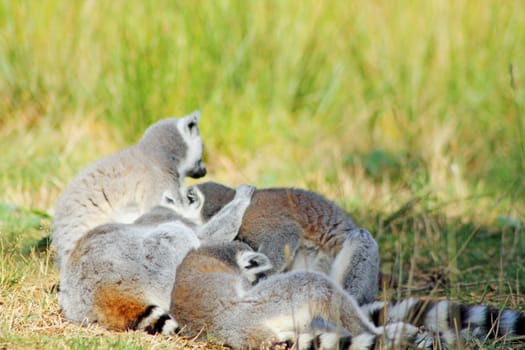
pixel 430 80
pixel 408 114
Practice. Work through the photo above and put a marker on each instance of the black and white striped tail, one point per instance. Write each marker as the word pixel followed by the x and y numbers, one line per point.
pixel 452 323
pixel 326 335
pixel 154 320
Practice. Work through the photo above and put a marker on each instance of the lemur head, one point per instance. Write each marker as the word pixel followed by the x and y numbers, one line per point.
pixel 178 143
pixel 251 265
pixel 191 207
pixel 214 197
pixel 200 202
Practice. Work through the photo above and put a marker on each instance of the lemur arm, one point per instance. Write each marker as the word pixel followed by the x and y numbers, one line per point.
pixel 281 247
pixel 224 226
pixel 356 266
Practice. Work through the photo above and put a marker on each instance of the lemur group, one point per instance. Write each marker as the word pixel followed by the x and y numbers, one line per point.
pixel 137 249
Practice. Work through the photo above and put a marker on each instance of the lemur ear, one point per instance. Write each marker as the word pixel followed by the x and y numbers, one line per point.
pixel 257 261
pixel 192 122
pixel 196 115
pixel 194 197
pixel 253 265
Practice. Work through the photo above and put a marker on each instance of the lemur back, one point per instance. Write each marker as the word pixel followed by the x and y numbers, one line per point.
pixel 300 229
pixel 121 275
pixel 127 184
pixel 117 276
pixel 218 293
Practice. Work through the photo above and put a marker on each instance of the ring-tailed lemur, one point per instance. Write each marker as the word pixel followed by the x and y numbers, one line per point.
pixel 300 229
pixel 123 186
pixel 121 275
pixel 218 294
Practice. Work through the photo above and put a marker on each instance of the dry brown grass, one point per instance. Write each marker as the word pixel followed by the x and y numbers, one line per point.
pixel 30 317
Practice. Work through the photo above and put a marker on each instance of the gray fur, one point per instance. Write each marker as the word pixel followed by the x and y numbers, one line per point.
pixel 160 214
pixel 356 265
pixel 123 186
pixel 213 297
pixel 299 229
pixel 138 259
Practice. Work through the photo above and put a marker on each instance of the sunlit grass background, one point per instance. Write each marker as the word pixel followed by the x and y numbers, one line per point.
pixel 408 114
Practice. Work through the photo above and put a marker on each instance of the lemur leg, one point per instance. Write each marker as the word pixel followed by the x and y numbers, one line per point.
pixel 224 226
pixel 356 266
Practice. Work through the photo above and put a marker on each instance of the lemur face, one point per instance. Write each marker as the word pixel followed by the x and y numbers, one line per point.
pixel 191 206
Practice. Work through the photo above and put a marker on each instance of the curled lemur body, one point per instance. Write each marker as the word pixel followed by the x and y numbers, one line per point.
pixel 218 293
pixel 121 275
pixel 116 266
pixel 123 186
pixel 266 227
pixel 300 229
